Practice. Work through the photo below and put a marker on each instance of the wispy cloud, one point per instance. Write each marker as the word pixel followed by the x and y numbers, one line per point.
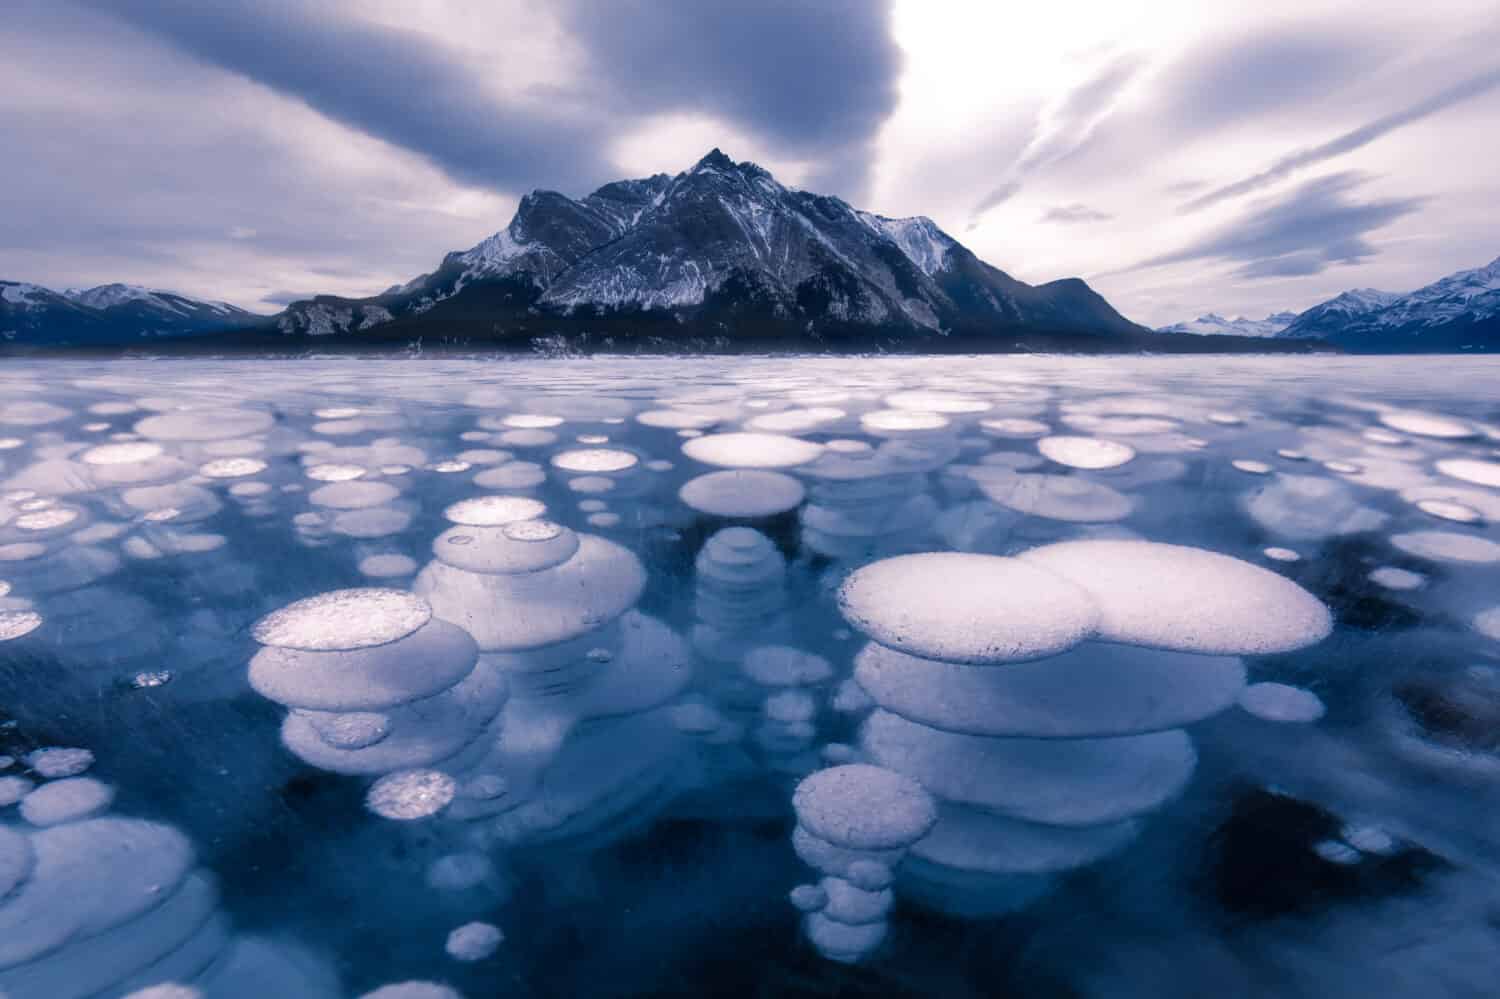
pixel 1315 226
pixel 1348 142
pixel 1075 213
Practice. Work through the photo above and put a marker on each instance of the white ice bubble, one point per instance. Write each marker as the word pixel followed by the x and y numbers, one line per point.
pixel 1475 470
pixel 335 472
pixel 967 608
pixel 1012 426
pixel 520 547
pixel 13 789
pixel 1251 467
pixel 1426 424
pixel 858 806
pixel 1187 599
pixel 1448 546
pixel 743 493
pixel 931 401
pixel 122 454
pixel 1449 510
pixel 1280 702
pixel 388 565
pixel 1336 852
pixel 344 619
pixel 1055 497
pixel 66 800
pixel 1487 623
pixel 194 425
pixel 1277 554
pixel 474 941
pixel 794 421
pixel 413 990
pixel 232 468
pixel 18 624
pixel 58 761
pixel 411 794
pixel 494 511
pixel 1085 452
pixel 751 450
pixel 353 495
pixel 1393 578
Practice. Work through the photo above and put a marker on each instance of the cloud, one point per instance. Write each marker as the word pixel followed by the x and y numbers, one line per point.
pixel 814 81
pixel 1469 88
pixel 396 85
pixel 286 297
pixel 1064 127
pixel 1074 213
pixel 1313 227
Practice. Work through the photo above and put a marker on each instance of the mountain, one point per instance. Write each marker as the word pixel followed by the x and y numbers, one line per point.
pixel 1458 312
pixel 1216 325
pixel 108 314
pixel 723 253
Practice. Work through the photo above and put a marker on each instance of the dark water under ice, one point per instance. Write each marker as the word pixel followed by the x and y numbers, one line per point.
pixel 597 639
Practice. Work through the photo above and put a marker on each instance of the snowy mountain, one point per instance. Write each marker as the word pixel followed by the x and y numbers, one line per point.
pixel 1460 311
pixel 721 251
pixel 1216 325
pixel 108 314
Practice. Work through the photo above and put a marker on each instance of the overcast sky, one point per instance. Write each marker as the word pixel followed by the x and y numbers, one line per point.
pixel 1184 156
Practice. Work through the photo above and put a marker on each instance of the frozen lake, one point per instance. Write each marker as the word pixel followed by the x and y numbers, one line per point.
pixel 996 676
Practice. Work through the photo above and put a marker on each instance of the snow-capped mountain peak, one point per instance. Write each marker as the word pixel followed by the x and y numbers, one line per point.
pixel 1213 324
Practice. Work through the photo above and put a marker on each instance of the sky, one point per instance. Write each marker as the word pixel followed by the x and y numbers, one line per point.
pixel 1234 156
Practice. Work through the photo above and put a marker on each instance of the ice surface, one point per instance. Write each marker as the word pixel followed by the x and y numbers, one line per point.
pixel 603 666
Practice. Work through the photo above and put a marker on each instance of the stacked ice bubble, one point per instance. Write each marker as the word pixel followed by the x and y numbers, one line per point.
pixel 1041 699
pixel 377 686
pixel 93 904
pixel 740 602
pixel 855 823
pixel 552 611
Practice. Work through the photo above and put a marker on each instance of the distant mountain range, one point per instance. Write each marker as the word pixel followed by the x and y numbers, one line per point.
pixel 1458 312
pixel 109 314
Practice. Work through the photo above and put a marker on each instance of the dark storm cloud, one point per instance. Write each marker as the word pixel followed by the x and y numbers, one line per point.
pixel 395 85
pixel 815 80
pixel 1314 226
pixel 1076 212
pixel 1474 86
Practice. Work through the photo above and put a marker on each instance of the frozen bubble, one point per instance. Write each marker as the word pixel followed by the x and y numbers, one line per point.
pixel 512 475
pixel 1448 546
pixel 1055 497
pixel 967 608
pixel 808 898
pixel 13 789
pixel 249 490
pixel 604 520
pixel 977 842
pixel 1018 427
pixel 1279 702
pixel 1187 599
pixel 858 806
pixel 1342 467
pixel 792 421
pixel 1487 623
pixel 1449 510
pixel 1065 782
pixel 596 461
pixel 1085 452
pixel 790 707
pixel 1393 578
pixel 150 679
pixel 22 551
pixel 388 566
pixel 168 990
pixel 474 941
pixel 350 729
pixel 520 547
pixel 680 419
pixel 58 761
pixel 18 624
pixel 485 787
pixel 333 472
pixel 1226 419
pixel 936 402
pixel 204 424
pixel 459 871
pixel 1481 501
pixel 232 468
pixel 1291 454
pixel 483 456
pixel 336 412
pixel 752 450
pixel 48 520
pixel 494 511
pixel 4 588
pixel 1426 424
pixel 1336 852
pixel 592 438
pixel 868 875
pixel 592 484
pixel 1281 554
pixel 32 413
pixel 532 421
pixel 1092 690
pixel 376 677
pixel 121 454
pixel 1251 467
pixel 895 422
pixel 1479 472
pixel 344 619
pixel 354 495
pixel 785 666
pixel 742 493
pixel 1309 508
pixel 375 522
pixel 449 467
pixel 1369 839
pixel 410 794
pixel 66 800
pixel 413 990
